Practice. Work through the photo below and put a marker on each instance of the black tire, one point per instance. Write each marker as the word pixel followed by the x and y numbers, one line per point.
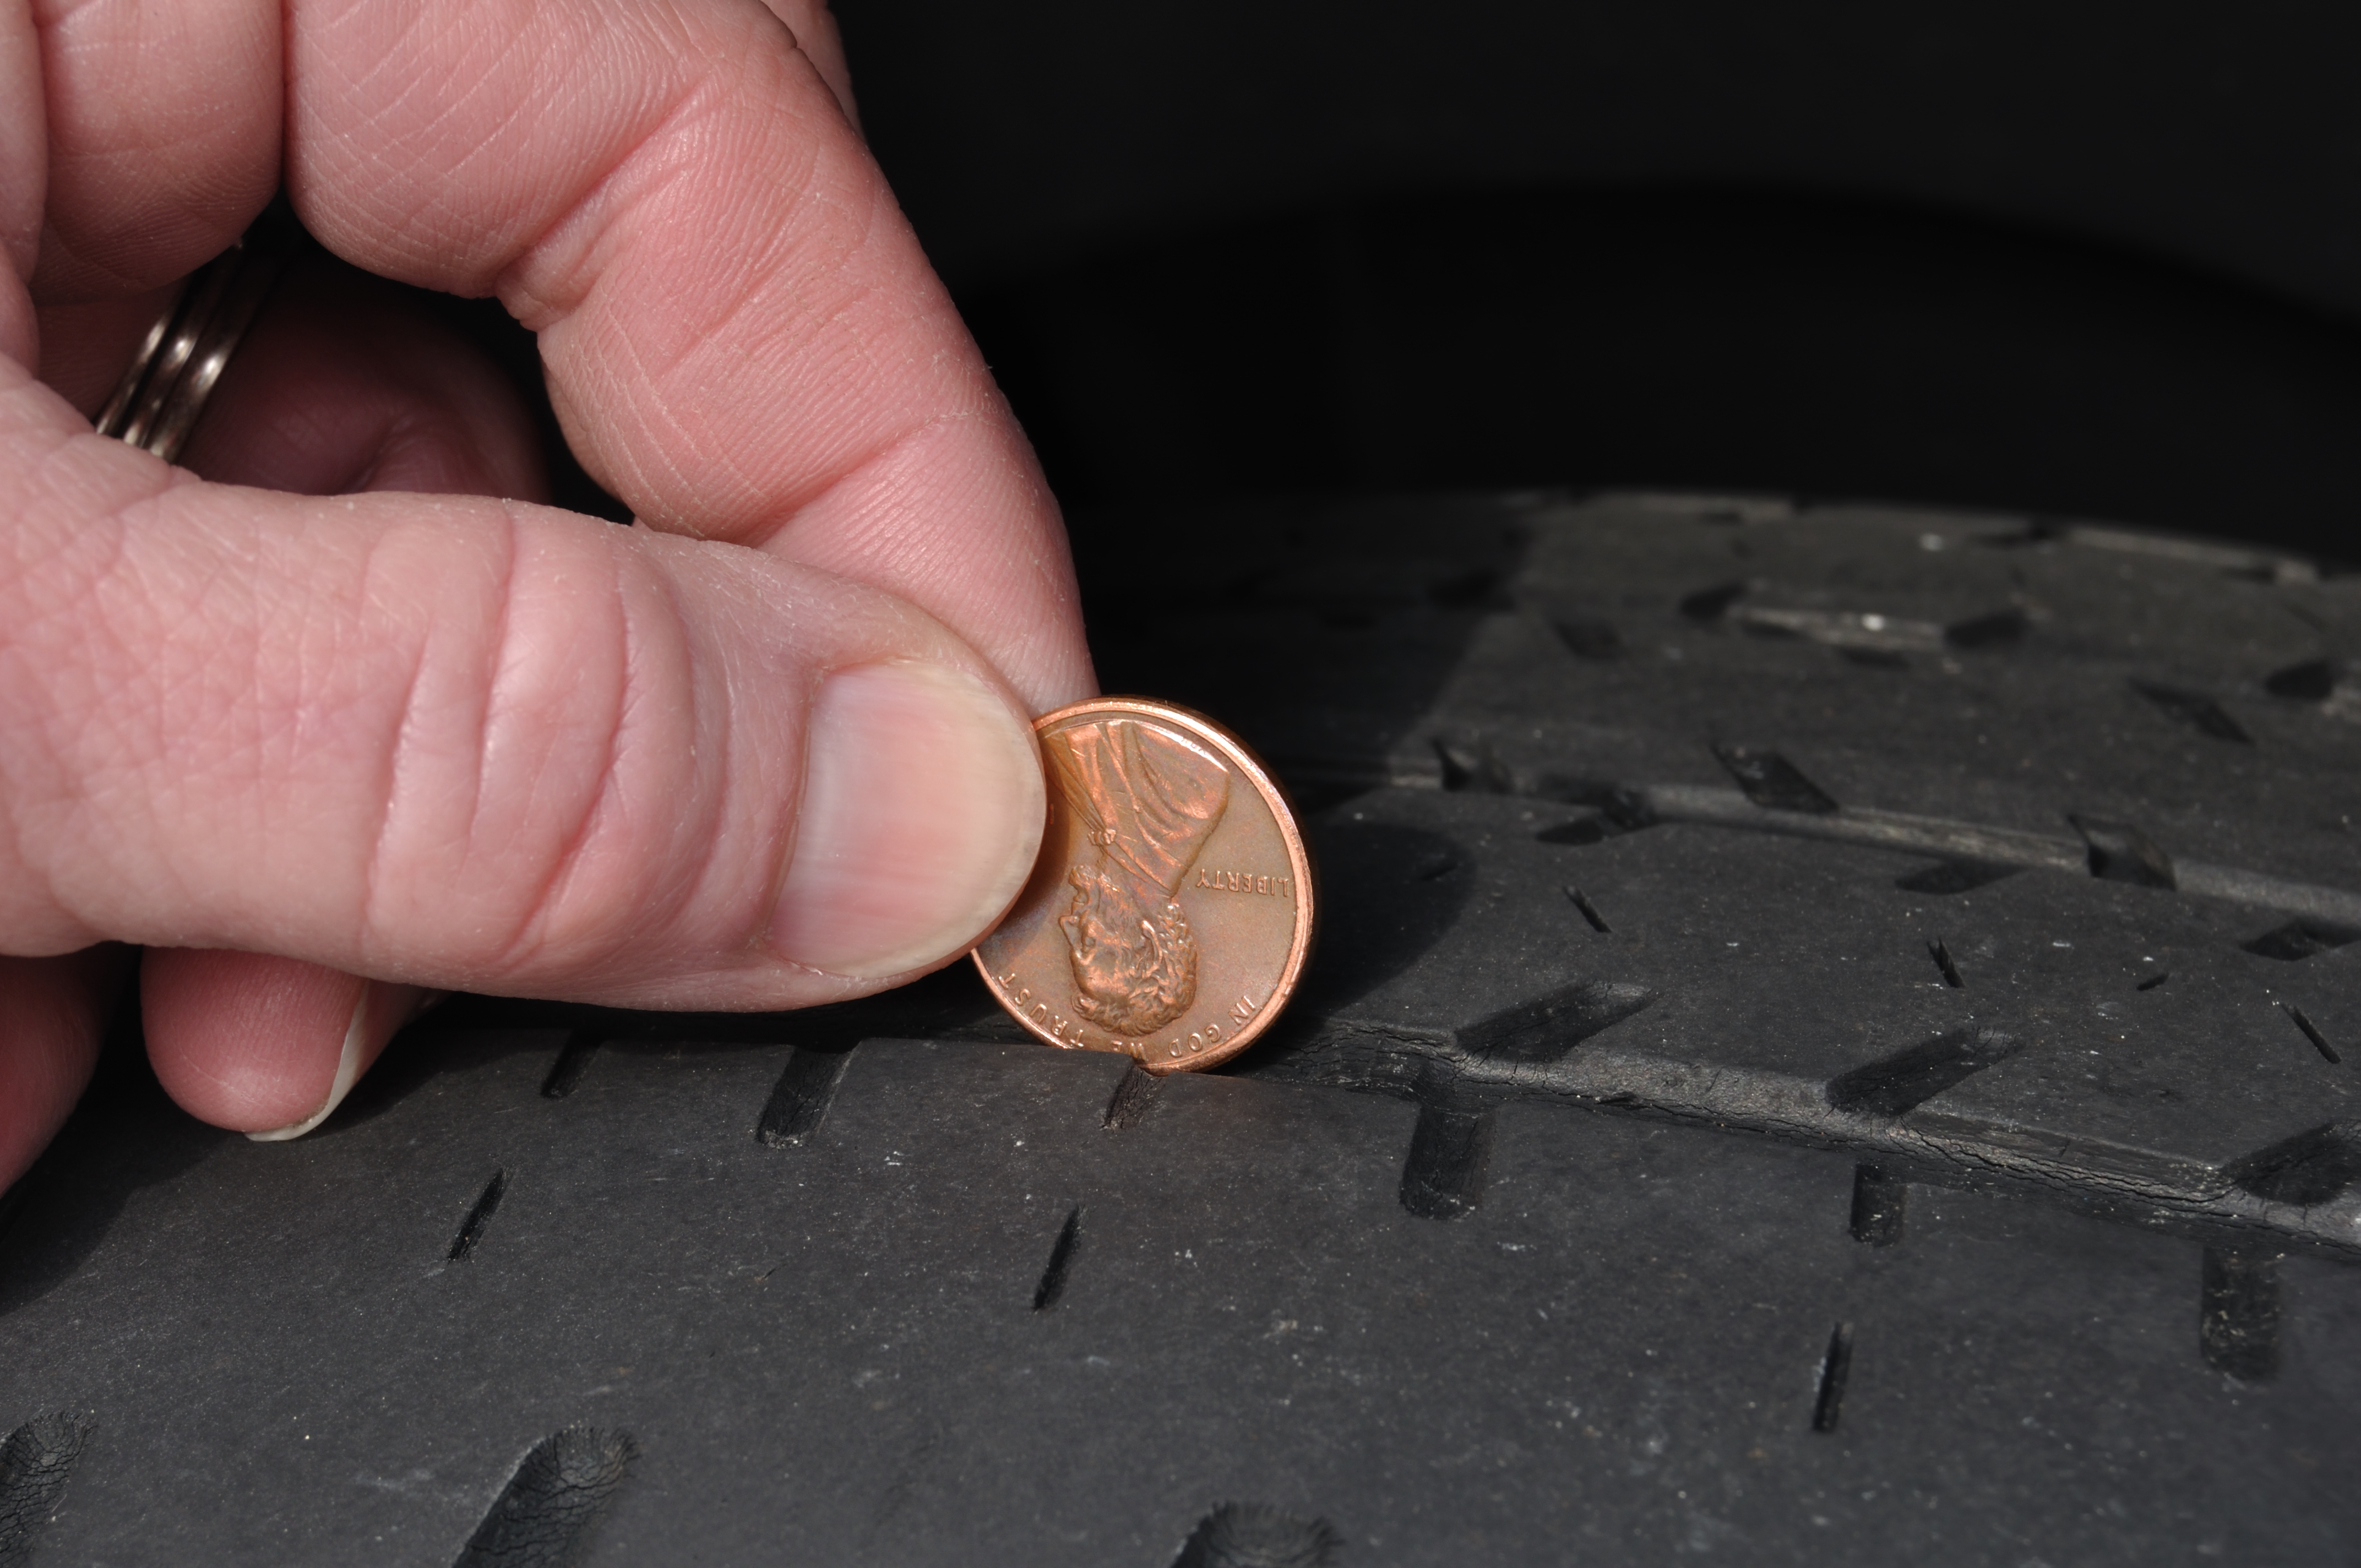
pixel 1832 1044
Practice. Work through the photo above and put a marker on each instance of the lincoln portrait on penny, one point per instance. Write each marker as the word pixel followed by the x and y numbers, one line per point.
pixel 1149 800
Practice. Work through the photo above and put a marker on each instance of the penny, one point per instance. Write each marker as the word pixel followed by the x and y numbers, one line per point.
pixel 1171 913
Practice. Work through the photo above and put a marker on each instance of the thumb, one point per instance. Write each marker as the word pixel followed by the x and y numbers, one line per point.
pixel 480 744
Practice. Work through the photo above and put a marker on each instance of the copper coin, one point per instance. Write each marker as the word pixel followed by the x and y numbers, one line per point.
pixel 1171 913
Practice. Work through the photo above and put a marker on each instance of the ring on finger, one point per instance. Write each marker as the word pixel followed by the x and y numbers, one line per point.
pixel 156 404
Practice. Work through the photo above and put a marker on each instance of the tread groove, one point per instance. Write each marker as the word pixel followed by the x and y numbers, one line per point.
pixel 471 1229
pixel 1252 1535
pixel 1060 1266
pixel 1947 877
pixel 2314 680
pixel 573 1061
pixel 2118 852
pixel 37 1460
pixel 1836 1366
pixel 2195 708
pixel 799 1101
pixel 2311 1167
pixel 2301 938
pixel 1442 1178
pixel 1772 782
pixel 1134 1095
pixel 2001 629
pixel 1588 639
pixel 1712 604
pixel 1474 768
pixel 1908 1079
pixel 545 1514
pixel 1546 1027
pixel 1943 964
pixel 2311 1032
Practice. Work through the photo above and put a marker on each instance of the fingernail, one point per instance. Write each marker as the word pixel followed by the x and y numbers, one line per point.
pixel 348 1072
pixel 378 1016
pixel 921 814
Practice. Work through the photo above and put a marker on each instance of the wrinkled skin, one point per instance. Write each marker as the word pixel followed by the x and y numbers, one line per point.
pixel 340 699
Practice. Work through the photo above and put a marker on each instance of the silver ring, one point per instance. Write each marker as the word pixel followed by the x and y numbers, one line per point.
pixel 157 402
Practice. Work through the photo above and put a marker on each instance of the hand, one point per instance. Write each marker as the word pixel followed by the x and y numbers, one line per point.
pixel 768 749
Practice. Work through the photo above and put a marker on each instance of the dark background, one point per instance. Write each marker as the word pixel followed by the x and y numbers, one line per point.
pixel 2098 260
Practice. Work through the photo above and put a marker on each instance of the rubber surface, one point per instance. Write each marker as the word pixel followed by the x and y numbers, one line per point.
pixel 1832 1044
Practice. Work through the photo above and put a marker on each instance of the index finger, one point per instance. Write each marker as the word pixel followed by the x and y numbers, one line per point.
pixel 742 336
pixel 745 340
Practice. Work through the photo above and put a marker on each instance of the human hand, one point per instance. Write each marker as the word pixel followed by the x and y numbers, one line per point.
pixel 767 750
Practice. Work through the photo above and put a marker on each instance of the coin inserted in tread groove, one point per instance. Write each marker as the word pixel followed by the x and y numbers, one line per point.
pixel 1172 912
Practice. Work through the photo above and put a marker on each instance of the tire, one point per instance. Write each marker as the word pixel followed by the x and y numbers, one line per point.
pixel 1832 1043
